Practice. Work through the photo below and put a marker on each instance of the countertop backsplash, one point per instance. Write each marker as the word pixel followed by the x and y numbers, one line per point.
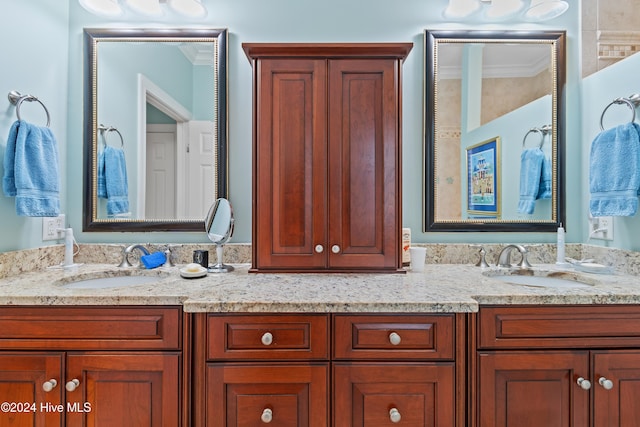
pixel 16 262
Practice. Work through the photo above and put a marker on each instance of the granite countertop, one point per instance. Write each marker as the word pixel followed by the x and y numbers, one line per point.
pixel 440 288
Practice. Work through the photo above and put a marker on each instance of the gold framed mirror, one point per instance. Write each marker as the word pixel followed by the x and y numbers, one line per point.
pixel 155 128
pixel 491 96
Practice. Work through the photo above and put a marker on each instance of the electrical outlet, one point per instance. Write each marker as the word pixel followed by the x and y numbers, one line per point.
pixel 50 227
pixel 601 228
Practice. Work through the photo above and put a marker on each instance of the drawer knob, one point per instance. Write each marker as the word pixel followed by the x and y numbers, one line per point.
pixel 72 385
pixel 584 384
pixel 319 249
pixel 267 338
pixel 335 249
pixel 394 338
pixel 394 415
pixel 267 415
pixel 605 383
pixel 47 386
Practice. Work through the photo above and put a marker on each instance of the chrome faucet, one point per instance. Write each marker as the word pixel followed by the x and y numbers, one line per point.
pixel 125 255
pixel 504 259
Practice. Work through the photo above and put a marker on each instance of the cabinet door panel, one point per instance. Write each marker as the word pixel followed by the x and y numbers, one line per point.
pixel 520 389
pixel 366 394
pixel 291 163
pixel 22 376
pixel 239 395
pixel 364 163
pixel 618 406
pixel 125 390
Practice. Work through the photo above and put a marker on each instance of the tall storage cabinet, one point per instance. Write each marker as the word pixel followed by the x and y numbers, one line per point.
pixel 327 156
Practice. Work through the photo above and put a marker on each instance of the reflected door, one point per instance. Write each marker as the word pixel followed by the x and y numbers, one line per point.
pixel 160 199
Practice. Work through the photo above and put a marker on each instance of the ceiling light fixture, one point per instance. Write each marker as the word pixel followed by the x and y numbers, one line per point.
pixel 503 9
pixel 102 7
pixel 543 10
pixel 145 7
pixel 193 8
pixel 461 8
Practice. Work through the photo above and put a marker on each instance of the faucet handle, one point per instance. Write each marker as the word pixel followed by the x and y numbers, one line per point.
pixel 167 254
pixel 482 262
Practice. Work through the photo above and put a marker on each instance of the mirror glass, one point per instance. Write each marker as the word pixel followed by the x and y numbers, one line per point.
pixel 490 97
pixel 219 227
pixel 155 128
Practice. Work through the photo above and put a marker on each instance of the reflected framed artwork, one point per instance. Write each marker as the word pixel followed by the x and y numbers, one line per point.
pixel 483 168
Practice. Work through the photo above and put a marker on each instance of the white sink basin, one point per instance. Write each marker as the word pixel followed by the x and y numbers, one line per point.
pixel 112 282
pixel 542 279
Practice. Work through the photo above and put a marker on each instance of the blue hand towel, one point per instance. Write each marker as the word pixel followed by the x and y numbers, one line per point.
pixel 115 178
pixel 31 170
pixel 531 161
pixel 153 260
pixel 102 184
pixel 614 171
pixel 544 191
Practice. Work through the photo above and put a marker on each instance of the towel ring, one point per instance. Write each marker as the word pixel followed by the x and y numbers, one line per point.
pixel 534 130
pixel 103 129
pixel 632 102
pixel 17 99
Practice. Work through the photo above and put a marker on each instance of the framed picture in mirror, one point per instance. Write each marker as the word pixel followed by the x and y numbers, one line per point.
pixel 483 169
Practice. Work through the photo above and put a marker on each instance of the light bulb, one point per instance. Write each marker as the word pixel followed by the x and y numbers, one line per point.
pixel 543 10
pixel 193 8
pixel 102 7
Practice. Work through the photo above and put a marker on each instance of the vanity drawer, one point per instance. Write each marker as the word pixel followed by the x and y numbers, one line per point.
pixel 558 326
pixel 88 328
pixel 394 336
pixel 254 337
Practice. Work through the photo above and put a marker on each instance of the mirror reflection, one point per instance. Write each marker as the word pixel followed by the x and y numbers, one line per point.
pixel 492 96
pixel 219 227
pixel 155 135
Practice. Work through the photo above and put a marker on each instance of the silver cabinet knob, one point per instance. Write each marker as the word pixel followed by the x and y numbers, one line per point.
pixel 394 415
pixel 267 416
pixel 319 249
pixel 72 385
pixel 47 386
pixel 335 249
pixel 267 338
pixel 394 338
pixel 584 384
pixel 605 383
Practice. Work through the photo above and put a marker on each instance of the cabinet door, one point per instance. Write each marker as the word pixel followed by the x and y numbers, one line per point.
pixel 413 395
pixel 518 389
pixel 290 193
pixel 284 395
pixel 125 390
pixel 22 387
pixel 364 164
pixel 616 403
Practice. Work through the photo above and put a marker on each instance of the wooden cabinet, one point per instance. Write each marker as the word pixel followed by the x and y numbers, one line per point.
pixel 266 369
pixel 328 370
pixel 392 369
pixel 91 366
pixel 558 366
pixel 327 156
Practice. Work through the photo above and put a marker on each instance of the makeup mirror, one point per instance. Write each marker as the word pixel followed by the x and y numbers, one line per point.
pixel 158 99
pixel 219 228
pixel 489 96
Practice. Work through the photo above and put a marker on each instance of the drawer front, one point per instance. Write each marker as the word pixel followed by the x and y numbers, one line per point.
pixel 394 337
pixel 558 326
pixel 267 337
pixel 89 328
pixel 284 395
pixel 385 394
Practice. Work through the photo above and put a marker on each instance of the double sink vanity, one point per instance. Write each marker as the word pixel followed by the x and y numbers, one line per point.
pixel 456 345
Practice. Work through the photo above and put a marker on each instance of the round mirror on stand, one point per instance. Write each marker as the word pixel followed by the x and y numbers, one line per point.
pixel 219 227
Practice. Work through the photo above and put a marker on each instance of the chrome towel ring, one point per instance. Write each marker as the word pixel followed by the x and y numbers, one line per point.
pixel 632 102
pixel 543 131
pixel 106 129
pixel 17 99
